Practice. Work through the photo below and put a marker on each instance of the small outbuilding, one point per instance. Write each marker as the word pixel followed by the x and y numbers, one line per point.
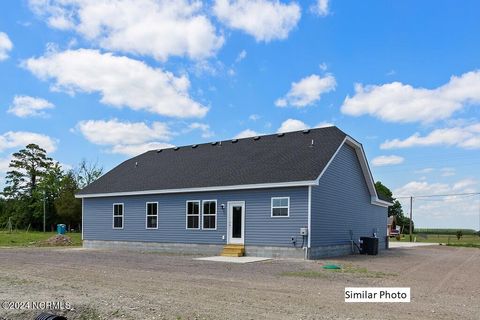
pixel 304 194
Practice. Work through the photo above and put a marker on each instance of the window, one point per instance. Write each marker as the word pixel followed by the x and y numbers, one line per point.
pixel 193 214
pixel 118 216
pixel 209 214
pixel 152 215
pixel 281 207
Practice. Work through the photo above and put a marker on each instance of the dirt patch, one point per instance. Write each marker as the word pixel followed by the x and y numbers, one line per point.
pixel 57 240
pixel 134 285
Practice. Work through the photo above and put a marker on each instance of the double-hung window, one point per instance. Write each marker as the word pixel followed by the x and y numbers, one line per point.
pixel 193 214
pixel 209 214
pixel 118 216
pixel 280 206
pixel 152 215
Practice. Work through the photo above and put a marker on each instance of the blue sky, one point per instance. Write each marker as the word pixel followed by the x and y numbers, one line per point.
pixel 106 81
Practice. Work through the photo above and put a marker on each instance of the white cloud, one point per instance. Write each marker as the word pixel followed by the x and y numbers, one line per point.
pixel 387 160
pixel 449 211
pixel 320 7
pixel 136 149
pixel 159 29
pixel 203 127
pixel 20 139
pixel 464 137
pixel 121 81
pixel 5 46
pixel 114 132
pixel 398 102
pixel 26 106
pixel 292 125
pixel 323 66
pixel 247 133
pixel 324 124
pixel 425 170
pixel 423 188
pixel 254 117
pixel 266 20
pixel 242 55
pixel 307 91
pixel 448 172
pixel 129 138
pixel 4 164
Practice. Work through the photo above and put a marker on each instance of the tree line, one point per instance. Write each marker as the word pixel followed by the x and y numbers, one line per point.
pixel 36 183
pixel 395 209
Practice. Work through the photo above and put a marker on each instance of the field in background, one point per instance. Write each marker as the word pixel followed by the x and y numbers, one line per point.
pixel 449 239
pixel 21 238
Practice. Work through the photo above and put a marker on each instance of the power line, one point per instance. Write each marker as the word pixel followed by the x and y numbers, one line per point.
pixel 439 195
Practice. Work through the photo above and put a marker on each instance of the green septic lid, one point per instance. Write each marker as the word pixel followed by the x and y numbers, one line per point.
pixel 332 266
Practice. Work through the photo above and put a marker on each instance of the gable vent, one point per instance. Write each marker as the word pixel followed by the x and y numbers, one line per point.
pixel 194 146
pixel 256 138
pixel 234 140
pixel 280 134
pixel 306 131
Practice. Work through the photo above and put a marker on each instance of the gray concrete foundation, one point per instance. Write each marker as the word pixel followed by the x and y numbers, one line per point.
pixel 179 248
pixel 215 249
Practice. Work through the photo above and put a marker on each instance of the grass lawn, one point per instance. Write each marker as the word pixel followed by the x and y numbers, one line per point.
pixel 465 241
pixel 32 238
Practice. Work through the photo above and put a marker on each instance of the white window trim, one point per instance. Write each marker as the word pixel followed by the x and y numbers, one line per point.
pixel 216 211
pixel 199 214
pixel 113 215
pixel 288 207
pixel 147 215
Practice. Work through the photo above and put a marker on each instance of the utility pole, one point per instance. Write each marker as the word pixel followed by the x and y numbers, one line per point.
pixel 411 221
pixel 44 211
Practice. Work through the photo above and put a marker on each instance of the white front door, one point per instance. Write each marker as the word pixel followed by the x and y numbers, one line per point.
pixel 236 222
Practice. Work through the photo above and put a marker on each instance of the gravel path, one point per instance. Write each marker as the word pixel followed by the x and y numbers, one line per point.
pixel 444 281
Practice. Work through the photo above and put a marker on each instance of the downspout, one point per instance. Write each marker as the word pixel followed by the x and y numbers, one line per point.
pixel 82 217
pixel 307 249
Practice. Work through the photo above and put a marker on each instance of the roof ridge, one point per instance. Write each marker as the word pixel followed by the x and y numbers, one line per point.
pixel 215 143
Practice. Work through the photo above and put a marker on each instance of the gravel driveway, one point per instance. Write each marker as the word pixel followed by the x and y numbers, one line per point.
pixel 444 281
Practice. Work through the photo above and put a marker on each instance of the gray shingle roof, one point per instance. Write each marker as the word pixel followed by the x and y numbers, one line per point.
pixel 265 159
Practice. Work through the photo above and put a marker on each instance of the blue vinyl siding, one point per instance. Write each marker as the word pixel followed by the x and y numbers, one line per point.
pixel 260 229
pixel 341 202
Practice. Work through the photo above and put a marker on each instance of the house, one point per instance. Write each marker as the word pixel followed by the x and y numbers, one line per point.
pixel 303 194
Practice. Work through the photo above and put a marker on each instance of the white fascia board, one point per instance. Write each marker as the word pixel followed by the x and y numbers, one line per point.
pixel 186 190
pixel 381 203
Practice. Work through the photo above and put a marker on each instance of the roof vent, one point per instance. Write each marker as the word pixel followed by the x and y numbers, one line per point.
pixel 312 144
pixel 214 143
pixel 159 150
pixel 256 138
pixel 194 146
pixel 281 134
pixel 176 148
pixel 136 164
pixel 234 140
pixel 306 131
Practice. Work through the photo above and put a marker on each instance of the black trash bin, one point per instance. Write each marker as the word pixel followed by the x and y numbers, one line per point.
pixel 369 245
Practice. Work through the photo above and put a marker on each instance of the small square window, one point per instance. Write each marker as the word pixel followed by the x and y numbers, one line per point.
pixel 280 207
